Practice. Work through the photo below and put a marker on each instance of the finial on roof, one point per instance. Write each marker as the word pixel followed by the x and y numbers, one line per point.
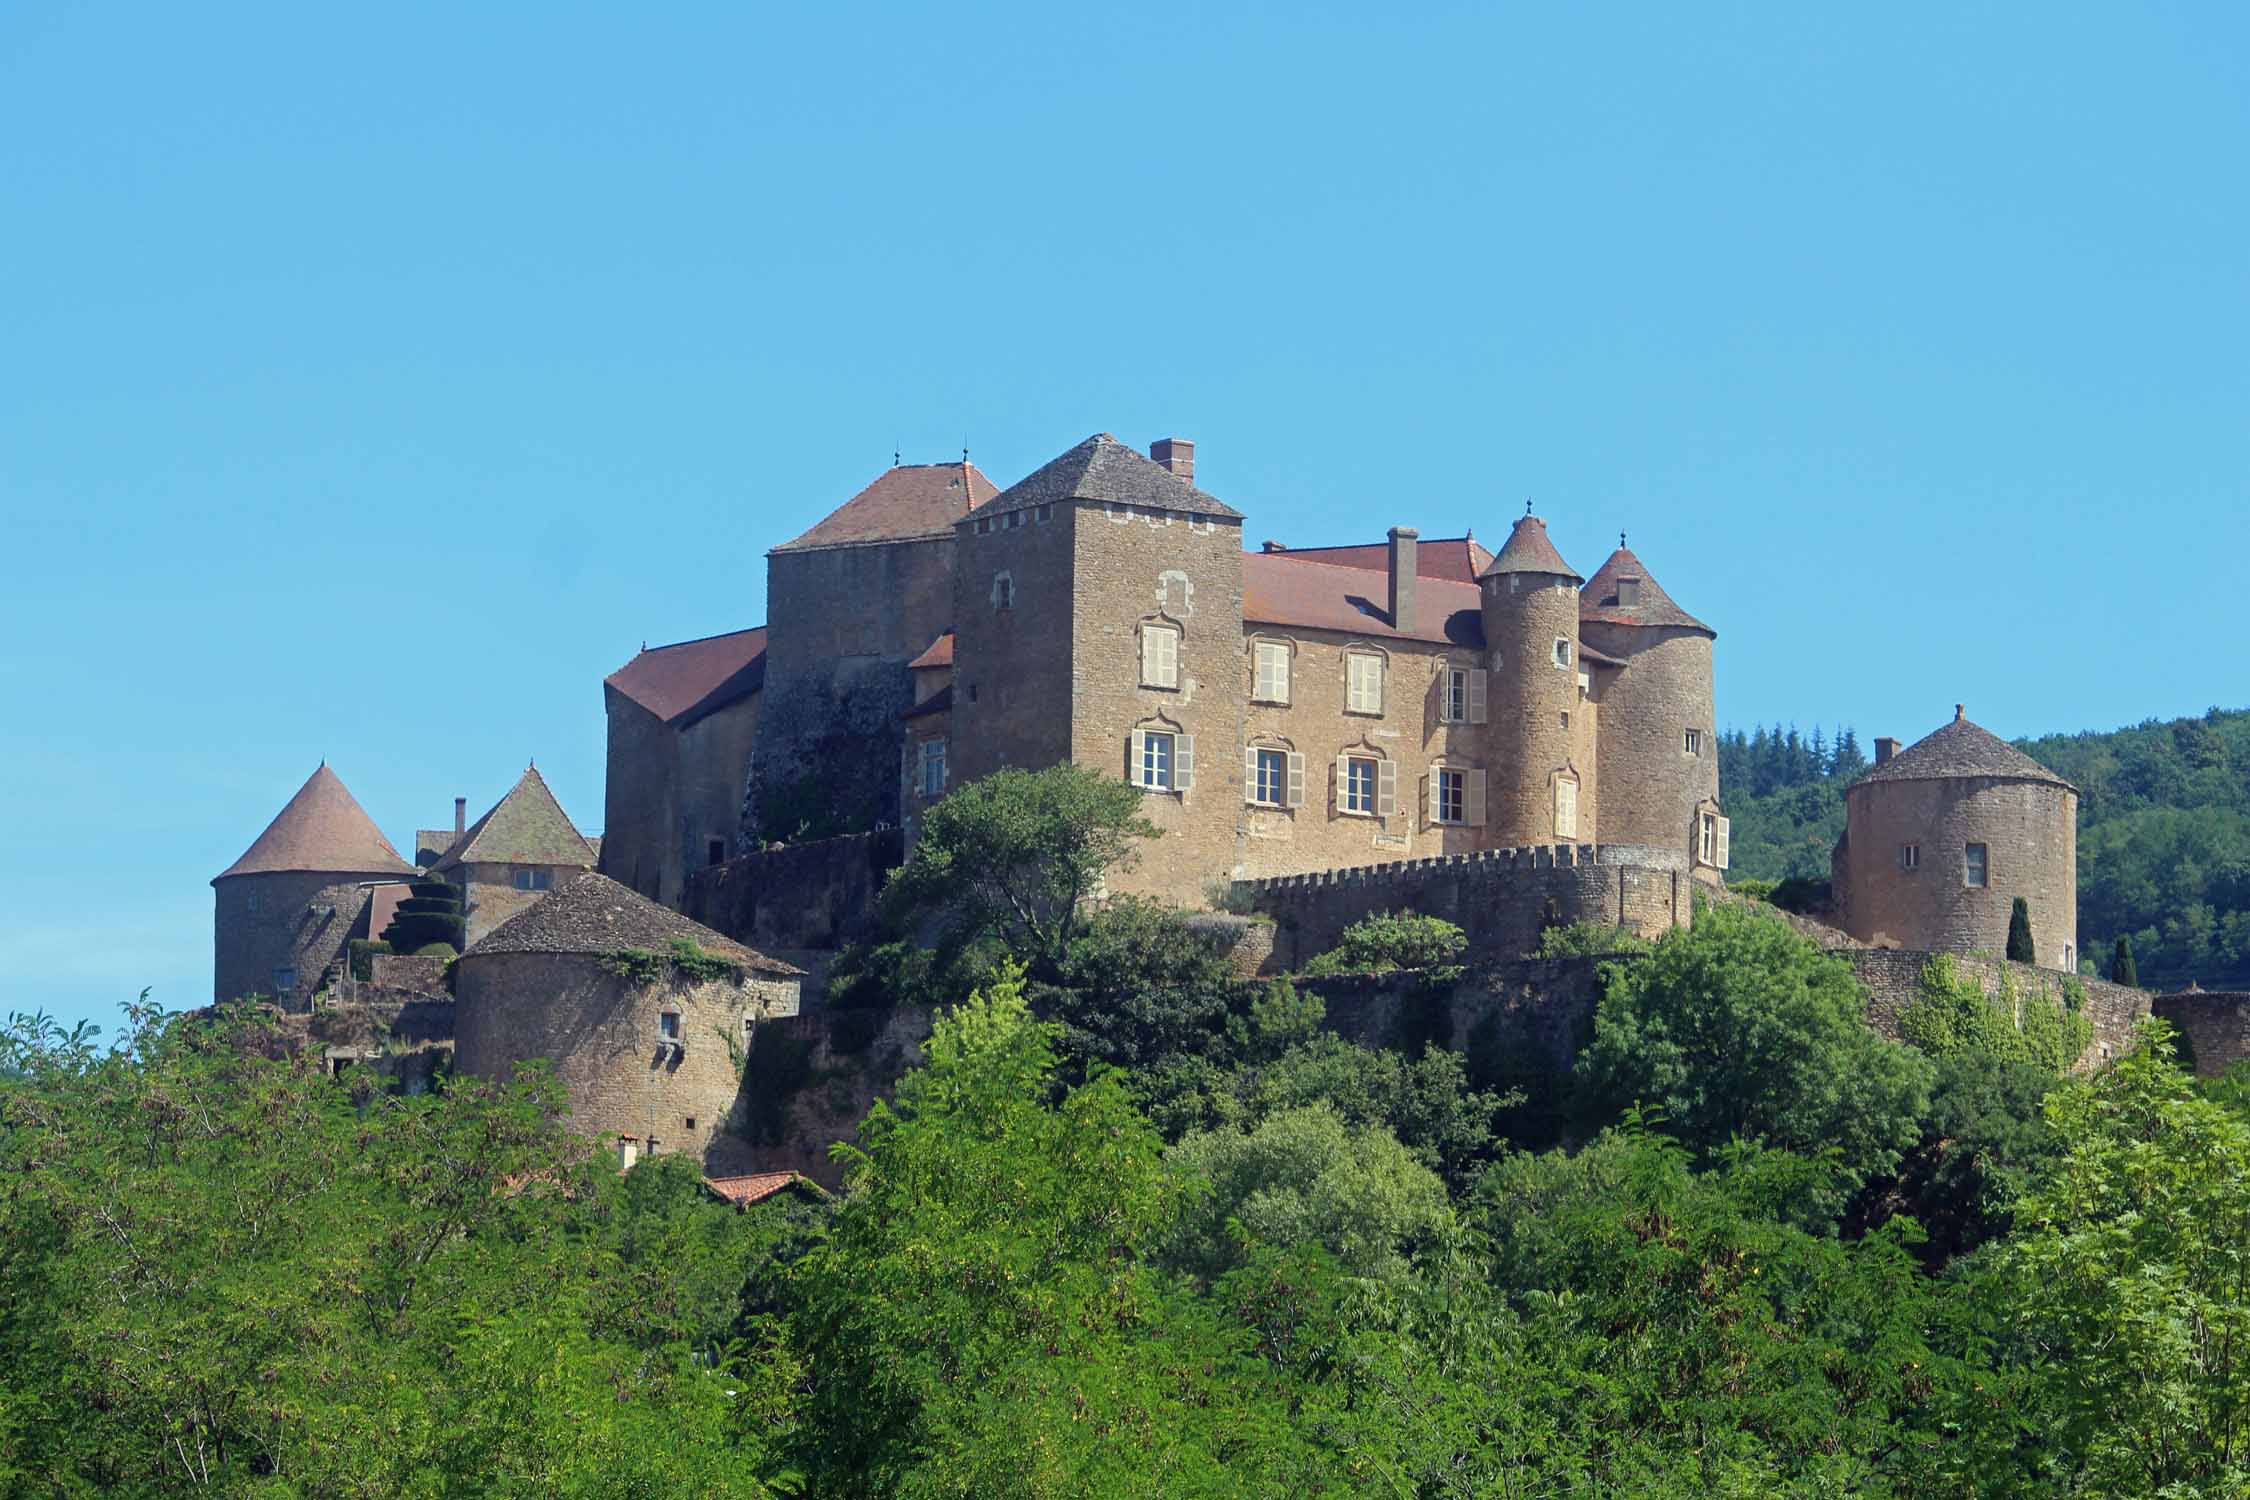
pixel 1621 539
pixel 894 457
pixel 1956 710
pixel 964 453
pixel 1527 507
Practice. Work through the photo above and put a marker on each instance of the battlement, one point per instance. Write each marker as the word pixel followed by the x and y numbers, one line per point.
pixel 1490 863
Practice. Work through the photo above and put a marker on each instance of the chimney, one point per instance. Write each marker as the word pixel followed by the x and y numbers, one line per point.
pixel 1405 544
pixel 1273 547
pixel 1176 454
pixel 1885 748
pixel 460 816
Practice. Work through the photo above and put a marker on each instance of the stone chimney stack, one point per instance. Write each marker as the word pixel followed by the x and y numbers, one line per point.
pixel 1405 544
pixel 460 817
pixel 1885 748
pixel 1176 454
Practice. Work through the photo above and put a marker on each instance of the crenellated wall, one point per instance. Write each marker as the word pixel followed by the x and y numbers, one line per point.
pixel 1501 898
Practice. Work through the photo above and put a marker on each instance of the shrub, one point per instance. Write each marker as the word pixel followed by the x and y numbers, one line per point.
pixel 1388 941
pixel 2121 967
pixel 363 951
pixel 2021 949
pixel 1590 940
pixel 1951 1014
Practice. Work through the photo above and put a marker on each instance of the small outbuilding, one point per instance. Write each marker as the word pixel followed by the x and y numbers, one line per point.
pixel 645 1016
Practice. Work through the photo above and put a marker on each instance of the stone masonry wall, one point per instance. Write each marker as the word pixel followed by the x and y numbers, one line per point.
pixel 1501 899
pixel 2214 1027
pixel 639 796
pixel 813 895
pixel 1653 785
pixel 1012 652
pixel 1893 976
pixel 278 921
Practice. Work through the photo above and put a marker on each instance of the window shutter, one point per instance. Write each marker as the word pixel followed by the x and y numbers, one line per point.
pixel 1472 796
pixel 1476 707
pixel 1160 656
pixel 1343 781
pixel 1136 756
pixel 1280 673
pixel 1250 773
pixel 1726 832
pixel 1296 797
pixel 1386 788
pixel 1566 809
pixel 1375 695
pixel 1183 762
pixel 1430 808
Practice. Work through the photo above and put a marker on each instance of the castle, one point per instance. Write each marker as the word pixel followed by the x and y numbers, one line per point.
pixel 1323 732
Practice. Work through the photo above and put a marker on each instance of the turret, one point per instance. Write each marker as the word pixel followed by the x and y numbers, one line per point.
pixel 1659 743
pixel 1539 793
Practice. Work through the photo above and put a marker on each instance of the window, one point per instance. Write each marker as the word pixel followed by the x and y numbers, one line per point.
pixel 1271 678
pixel 284 983
pixel 1910 856
pixel 1160 656
pixel 1712 835
pixel 1363 683
pixel 1003 591
pixel 691 1122
pixel 1046 513
pixel 668 1026
pixel 1015 519
pixel 1692 742
pixel 1359 780
pixel 1974 870
pixel 1273 778
pixel 1566 718
pixel 534 880
pixel 1162 761
pixel 1562 651
pixel 1628 593
pixel 716 852
pixel 1566 808
pixel 984 525
pixel 253 901
pixel 1457 796
pixel 1462 696
pixel 933 768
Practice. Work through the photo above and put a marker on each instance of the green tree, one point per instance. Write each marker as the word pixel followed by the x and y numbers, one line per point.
pixel 1390 940
pixel 2121 967
pixel 428 917
pixel 2021 949
pixel 1741 1029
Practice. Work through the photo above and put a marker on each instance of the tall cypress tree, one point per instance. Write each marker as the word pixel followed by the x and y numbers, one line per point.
pixel 2020 949
pixel 2121 967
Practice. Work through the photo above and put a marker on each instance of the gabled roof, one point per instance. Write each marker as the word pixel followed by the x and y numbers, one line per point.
pixel 526 827
pixel 940 653
pixel 939 702
pixel 323 828
pixel 757 1187
pixel 907 502
pixel 1527 550
pixel 1281 588
pixel 593 915
pixel 1104 469
pixel 1457 559
pixel 1961 749
pixel 690 680
pixel 1598 599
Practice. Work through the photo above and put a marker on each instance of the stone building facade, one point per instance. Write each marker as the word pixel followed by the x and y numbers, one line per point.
pixel 648 1052
pixel 1941 838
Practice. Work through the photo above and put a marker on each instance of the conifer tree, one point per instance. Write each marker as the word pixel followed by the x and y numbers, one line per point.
pixel 2121 968
pixel 2020 947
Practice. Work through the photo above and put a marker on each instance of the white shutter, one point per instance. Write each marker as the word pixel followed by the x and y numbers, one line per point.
pixel 1250 773
pixel 1160 656
pixel 1566 808
pixel 1343 782
pixel 1726 832
pixel 1476 703
pixel 1280 674
pixel 1430 808
pixel 1136 756
pixel 1472 798
pixel 1272 683
pixel 1375 692
pixel 1296 793
pixel 1386 788
pixel 1183 762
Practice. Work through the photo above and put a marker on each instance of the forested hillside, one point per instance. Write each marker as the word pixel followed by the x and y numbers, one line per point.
pixel 2163 830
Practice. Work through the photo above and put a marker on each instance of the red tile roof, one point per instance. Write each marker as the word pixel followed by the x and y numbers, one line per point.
pixel 323 828
pixel 1527 550
pixel 1598 599
pixel 1457 559
pixel 756 1187
pixel 684 682
pixel 940 653
pixel 904 503
pixel 1281 588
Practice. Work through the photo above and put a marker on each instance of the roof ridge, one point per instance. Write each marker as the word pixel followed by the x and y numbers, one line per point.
pixel 716 635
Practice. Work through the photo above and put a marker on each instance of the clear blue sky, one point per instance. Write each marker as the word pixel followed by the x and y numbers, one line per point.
pixel 371 385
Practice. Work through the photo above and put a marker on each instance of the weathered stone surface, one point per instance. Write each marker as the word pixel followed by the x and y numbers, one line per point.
pixel 815 895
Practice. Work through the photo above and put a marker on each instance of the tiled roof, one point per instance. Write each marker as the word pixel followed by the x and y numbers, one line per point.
pixel 1280 588
pixel 756 1187
pixel 1961 749
pixel 323 828
pixel 1598 658
pixel 906 502
pixel 1527 550
pixel 684 682
pixel 940 653
pixel 1598 599
pixel 939 702
pixel 1457 559
pixel 526 827
pixel 1104 469
pixel 592 914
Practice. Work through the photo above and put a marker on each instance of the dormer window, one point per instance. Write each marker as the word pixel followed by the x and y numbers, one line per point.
pixel 1628 593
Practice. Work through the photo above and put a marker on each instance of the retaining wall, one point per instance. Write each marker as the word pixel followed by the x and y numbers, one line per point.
pixel 819 894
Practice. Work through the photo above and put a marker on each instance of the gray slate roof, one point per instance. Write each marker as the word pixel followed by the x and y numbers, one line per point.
pixel 1104 469
pixel 1961 749
pixel 526 827
pixel 593 915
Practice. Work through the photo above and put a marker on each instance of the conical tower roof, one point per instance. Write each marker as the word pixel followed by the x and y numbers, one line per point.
pixel 1961 749
pixel 592 915
pixel 526 827
pixel 324 830
pixel 1600 601
pixel 1527 550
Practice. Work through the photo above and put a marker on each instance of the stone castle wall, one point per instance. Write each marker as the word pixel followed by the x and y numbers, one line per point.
pixel 1501 899
pixel 1893 977
pixel 2214 1027
pixel 672 792
pixel 1652 785
pixel 268 923
pixel 820 894
pixel 1013 667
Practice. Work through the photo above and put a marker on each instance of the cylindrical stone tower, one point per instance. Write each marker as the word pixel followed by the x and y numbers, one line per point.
pixel 1940 840
pixel 1659 731
pixel 1531 644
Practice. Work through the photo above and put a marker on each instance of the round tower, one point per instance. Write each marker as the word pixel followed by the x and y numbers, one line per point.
pixel 285 910
pixel 1942 838
pixel 1659 729
pixel 1538 793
